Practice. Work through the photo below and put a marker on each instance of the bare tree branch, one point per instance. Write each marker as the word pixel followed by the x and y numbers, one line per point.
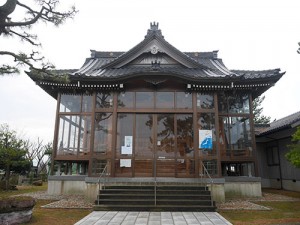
pixel 27 37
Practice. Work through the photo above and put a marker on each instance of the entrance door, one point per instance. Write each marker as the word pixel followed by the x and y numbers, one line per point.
pixel 161 142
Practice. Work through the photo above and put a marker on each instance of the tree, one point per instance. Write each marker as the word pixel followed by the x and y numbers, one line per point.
pixel 39 153
pixel 12 154
pixel 46 12
pixel 293 155
pixel 257 111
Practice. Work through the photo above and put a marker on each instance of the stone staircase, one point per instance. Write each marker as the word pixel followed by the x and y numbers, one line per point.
pixel 142 198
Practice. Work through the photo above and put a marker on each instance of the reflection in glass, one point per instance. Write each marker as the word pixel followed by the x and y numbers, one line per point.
pixel 165 135
pixel 211 167
pixel 238 104
pixel 205 101
pixel 74 135
pixel 104 100
pixel 85 135
pixel 233 103
pixel 165 100
pixel 87 103
pixel 98 166
pixel 124 128
pixel 183 100
pixel 144 135
pixel 185 135
pixel 144 99
pixel 126 100
pixel 222 102
pixel 103 132
pixel 70 103
pixel 236 133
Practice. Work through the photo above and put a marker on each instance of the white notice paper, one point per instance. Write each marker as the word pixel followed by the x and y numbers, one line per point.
pixel 125 162
pixel 126 150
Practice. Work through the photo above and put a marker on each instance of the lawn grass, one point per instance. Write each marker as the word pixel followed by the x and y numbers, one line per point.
pixel 282 212
pixel 23 190
pixel 43 216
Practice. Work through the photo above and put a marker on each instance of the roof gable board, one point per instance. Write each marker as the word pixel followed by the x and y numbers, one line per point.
pixel 152 45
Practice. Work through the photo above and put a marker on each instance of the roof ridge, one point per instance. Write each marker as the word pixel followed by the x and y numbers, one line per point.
pixel 286 117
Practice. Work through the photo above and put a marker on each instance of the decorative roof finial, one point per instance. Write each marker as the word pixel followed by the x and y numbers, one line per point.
pixel 154 30
pixel 154 26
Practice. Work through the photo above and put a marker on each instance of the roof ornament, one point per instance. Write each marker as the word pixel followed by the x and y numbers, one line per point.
pixel 155 65
pixel 154 26
pixel 154 30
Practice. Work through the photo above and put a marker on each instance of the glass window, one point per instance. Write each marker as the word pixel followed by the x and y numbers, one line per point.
pixel 222 102
pixel 126 100
pixel 104 100
pixel 165 100
pixel 185 135
pixel 144 137
pixel 210 166
pixel 238 103
pixel 205 101
pixel 233 103
pixel 124 134
pixel 207 133
pixel 224 136
pixel 237 131
pixel 144 99
pixel 272 156
pixel 98 167
pixel 184 100
pixel 85 135
pixel 74 131
pixel 165 135
pixel 70 103
pixel 103 133
pixel 87 103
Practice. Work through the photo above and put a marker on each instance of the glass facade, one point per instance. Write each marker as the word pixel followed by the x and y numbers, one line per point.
pixel 155 133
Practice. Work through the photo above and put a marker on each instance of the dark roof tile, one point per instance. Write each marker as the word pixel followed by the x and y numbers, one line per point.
pixel 281 123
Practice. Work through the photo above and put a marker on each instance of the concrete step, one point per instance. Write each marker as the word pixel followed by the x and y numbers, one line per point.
pixel 160 208
pixel 183 198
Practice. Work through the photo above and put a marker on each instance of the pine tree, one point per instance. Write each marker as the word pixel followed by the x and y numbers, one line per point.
pixel 257 111
pixel 42 10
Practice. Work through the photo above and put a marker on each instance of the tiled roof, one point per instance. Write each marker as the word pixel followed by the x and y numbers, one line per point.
pixel 281 123
pixel 155 56
pixel 252 74
pixel 93 67
pixel 196 65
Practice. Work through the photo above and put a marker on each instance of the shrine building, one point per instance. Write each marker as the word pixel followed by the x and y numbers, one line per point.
pixel 155 112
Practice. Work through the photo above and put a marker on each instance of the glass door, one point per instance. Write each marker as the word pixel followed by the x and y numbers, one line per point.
pixel 144 145
pixel 165 145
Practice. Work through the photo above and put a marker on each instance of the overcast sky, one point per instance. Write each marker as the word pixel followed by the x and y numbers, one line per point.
pixel 250 35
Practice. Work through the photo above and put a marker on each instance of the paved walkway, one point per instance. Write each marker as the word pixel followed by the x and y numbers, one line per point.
pixel 152 218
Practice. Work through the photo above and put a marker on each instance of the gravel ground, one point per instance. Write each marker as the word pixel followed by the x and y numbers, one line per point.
pixel 78 201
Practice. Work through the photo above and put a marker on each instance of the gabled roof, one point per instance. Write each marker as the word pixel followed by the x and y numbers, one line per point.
pixel 292 120
pixel 163 58
pixel 155 57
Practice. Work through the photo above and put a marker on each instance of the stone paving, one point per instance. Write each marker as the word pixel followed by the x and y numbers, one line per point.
pixel 152 218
